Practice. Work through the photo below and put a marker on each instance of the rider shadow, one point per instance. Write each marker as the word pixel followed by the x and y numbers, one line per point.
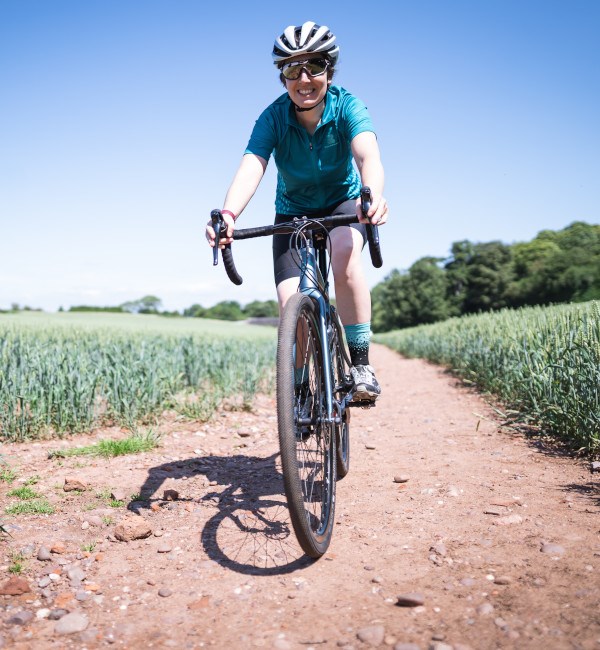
pixel 251 531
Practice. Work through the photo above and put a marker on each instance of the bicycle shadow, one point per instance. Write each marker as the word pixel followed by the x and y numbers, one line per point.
pixel 251 531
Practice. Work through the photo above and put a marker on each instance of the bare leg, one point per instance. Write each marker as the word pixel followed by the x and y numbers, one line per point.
pixel 353 298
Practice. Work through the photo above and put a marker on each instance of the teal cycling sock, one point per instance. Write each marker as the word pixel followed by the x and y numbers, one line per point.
pixel 358 337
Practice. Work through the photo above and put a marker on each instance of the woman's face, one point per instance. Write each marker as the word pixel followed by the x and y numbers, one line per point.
pixel 307 91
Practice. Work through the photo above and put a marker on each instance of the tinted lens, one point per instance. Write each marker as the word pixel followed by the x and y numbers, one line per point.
pixel 313 67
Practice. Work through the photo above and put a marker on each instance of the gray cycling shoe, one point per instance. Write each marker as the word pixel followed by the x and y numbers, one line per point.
pixel 366 386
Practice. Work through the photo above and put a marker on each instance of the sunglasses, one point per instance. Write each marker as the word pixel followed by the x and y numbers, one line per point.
pixel 312 67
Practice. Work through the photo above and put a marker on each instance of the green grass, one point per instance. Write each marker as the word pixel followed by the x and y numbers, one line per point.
pixel 134 444
pixel 35 507
pixel 17 563
pixel 65 373
pixel 24 493
pixel 7 475
pixel 542 362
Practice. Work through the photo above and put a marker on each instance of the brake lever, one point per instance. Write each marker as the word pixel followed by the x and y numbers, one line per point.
pixel 217 223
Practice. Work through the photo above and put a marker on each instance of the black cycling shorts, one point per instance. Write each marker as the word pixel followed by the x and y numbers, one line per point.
pixel 285 264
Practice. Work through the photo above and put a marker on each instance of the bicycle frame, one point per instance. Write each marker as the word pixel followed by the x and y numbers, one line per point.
pixel 313 283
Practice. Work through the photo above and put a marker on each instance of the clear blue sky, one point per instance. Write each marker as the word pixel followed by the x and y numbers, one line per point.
pixel 122 123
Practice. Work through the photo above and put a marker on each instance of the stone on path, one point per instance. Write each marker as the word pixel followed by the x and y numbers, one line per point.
pixel 15 586
pixel 72 483
pixel 508 520
pixel 372 635
pixel 71 623
pixel 411 599
pixel 552 549
pixel 44 554
pixel 132 527
pixel 119 494
pixel 20 618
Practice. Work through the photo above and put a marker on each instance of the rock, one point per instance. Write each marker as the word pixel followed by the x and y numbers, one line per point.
pixel 15 586
pixel 58 548
pixel 406 646
pixel 71 623
pixel 44 582
pixel 370 446
pixel 502 580
pixel 72 484
pixel 44 554
pixel 132 527
pixel 119 494
pixel 95 520
pixel 552 549
pixel 486 608
pixel 165 592
pixel 76 574
pixel 440 549
pixel 42 613
pixel 401 478
pixel 372 635
pixel 508 520
pixel 170 495
pixel 411 599
pixel 453 491
pixel 493 511
pixel 164 548
pixel 63 599
pixel 57 614
pixel 595 466
pixel 20 618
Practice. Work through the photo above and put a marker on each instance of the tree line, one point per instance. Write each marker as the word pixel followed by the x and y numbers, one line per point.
pixel 224 310
pixel 555 267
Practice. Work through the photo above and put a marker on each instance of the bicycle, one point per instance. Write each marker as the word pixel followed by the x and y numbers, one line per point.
pixel 314 385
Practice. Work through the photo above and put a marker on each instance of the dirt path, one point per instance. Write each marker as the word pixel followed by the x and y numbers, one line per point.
pixel 493 540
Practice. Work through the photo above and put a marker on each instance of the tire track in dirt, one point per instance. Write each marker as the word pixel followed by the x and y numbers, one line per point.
pixel 467 533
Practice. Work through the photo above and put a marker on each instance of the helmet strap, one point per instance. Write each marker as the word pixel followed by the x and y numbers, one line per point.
pixel 303 110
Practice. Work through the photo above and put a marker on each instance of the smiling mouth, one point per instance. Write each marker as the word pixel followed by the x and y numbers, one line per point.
pixel 306 91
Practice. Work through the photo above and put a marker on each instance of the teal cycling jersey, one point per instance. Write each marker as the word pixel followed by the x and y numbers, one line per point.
pixel 314 172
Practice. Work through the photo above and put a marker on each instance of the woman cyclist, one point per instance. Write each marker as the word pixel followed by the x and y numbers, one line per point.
pixel 315 131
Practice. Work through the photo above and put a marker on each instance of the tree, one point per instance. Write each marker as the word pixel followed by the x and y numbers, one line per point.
pixel 427 292
pixel 489 273
pixel 145 305
pixel 259 309
pixel 195 311
pixel 226 310
pixel 391 307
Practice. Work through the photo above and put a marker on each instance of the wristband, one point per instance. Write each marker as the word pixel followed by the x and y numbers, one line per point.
pixel 230 213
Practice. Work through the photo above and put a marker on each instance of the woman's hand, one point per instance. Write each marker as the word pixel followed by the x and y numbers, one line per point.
pixel 210 232
pixel 378 212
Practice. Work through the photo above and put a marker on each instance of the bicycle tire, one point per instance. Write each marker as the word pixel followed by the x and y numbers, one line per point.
pixel 342 430
pixel 307 441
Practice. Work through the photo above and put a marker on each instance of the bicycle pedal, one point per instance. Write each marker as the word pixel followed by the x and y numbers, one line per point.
pixel 364 404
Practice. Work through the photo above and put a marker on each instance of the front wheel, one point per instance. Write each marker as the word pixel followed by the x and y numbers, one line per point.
pixel 306 438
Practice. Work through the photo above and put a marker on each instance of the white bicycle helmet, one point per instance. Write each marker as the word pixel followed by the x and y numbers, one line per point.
pixel 307 39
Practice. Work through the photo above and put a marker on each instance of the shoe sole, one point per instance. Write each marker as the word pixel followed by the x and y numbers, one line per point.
pixel 363 395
